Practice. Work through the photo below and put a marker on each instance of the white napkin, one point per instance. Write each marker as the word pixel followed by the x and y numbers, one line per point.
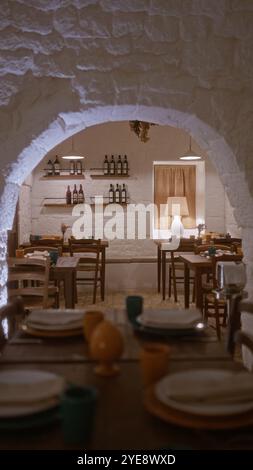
pixel 29 386
pixel 55 317
pixel 38 254
pixel 236 388
pixel 234 273
pixel 180 317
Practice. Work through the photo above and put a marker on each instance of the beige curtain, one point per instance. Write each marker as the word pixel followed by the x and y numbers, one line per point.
pixel 176 180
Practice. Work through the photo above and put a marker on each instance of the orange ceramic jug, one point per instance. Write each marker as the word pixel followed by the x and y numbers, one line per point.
pixel 106 346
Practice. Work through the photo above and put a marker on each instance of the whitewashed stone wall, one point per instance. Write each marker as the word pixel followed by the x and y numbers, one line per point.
pixel 67 65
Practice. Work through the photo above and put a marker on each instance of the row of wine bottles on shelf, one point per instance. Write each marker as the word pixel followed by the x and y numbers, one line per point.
pixel 75 197
pixel 117 195
pixel 115 168
pixel 54 168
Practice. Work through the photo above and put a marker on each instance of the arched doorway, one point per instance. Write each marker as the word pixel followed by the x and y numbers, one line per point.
pixel 69 123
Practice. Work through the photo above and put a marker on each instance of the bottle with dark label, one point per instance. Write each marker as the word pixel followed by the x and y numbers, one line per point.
pixel 79 168
pixel 119 166
pixel 112 166
pixel 68 196
pixel 125 166
pixel 72 167
pixel 80 195
pixel 111 194
pixel 124 195
pixel 50 168
pixel 117 194
pixel 106 166
pixel 75 195
pixel 57 168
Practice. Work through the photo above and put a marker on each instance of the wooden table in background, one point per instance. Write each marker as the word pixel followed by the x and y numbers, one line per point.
pixel 199 264
pixel 65 270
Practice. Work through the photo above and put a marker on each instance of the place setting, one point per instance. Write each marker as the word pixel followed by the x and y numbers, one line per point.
pixel 161 322
pixel 54 323
pixel 214 398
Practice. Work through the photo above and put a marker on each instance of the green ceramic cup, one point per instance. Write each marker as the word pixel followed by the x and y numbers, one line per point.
pixel 134 306
pixel 78 406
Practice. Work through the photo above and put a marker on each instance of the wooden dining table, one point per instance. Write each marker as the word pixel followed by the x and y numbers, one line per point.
pixel 123 420
pixel 200 265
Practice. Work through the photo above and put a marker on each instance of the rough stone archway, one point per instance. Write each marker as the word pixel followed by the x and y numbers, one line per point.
pixel 69 123
pixel 67 65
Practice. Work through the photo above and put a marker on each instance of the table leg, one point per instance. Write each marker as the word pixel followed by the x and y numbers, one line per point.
pixel 159 269
pixel 103 274
pixel 163 273
pixel 186 286
pixel 69 289
pixel 199 294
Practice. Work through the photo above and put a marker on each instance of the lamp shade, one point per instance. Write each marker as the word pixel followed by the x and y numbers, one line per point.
pixel 72 154
pixel 177 205
pixel 190 154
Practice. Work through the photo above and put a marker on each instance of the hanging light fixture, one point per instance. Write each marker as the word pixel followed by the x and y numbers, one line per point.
pixel 73 154
pixel 190 154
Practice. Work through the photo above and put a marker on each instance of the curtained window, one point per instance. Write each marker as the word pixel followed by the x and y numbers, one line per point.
pixel 175 180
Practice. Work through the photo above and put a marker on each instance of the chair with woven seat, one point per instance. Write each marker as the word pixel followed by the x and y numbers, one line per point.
pixel 216 307
pixel 90 262
pixel 29 279
pixel 175 266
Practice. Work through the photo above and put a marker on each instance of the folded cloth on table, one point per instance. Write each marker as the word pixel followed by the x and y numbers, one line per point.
pixel 55 317
pixel 234 273
pixel 38 254
pixel 235 388
pixel 181 317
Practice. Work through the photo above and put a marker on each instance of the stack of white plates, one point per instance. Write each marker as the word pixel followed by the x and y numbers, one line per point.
pixel 26 392
pixel 170 319
pixel 207 392
pixel 53 323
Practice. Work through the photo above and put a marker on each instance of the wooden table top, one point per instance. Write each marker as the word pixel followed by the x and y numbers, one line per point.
pixel 195 260
pixel 122 422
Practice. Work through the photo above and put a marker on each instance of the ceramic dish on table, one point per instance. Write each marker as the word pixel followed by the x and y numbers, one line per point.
pixel 28 397
pixel 177 399
pixel 54 323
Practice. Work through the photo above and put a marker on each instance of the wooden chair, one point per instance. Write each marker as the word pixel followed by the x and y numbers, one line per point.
pixel 55 249
pixel 46 242
pixel 90 262
pixel 175 266
pixel 213 307
pixel 23 272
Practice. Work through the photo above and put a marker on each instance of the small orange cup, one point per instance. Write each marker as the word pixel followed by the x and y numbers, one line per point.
pixel 154 361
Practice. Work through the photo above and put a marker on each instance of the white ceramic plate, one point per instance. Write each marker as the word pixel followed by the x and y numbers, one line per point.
pixel 187 379
pixel 170 319
pixel 28 387
pixel 44 327
pixel 11 411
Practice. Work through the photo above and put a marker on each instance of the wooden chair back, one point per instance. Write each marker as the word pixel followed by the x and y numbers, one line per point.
pixel 46 241
pixel 26 271
pixel 10 312
pixel 235 335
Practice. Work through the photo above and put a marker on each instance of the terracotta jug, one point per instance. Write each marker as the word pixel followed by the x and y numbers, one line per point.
pixel 106 346
pixel 90 322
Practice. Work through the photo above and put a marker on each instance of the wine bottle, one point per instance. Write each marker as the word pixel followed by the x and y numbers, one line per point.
pixel 79 168
pixel 80 195
pixel 117 194
pixel 106 166
pixel 50 168
pixel 57 168
pixel 124 194
pixel 112 166
pixel 75 195
pixel 68 196
pixel 72 167
pixel 119 166
pixel 111 194
pixel 125 166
